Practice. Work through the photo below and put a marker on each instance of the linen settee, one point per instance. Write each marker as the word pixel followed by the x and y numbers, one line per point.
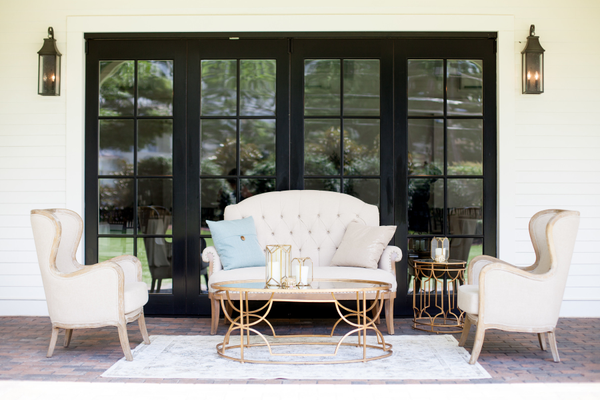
pixel 314 224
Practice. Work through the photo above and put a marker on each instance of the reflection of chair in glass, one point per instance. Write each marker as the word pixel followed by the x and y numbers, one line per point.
pixel 463 221
pixel 154 220
pixel 110 293
pixel 522 299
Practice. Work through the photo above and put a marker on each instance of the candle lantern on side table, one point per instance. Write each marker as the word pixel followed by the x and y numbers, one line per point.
pixel 302 270
pixel 278 266
pixel 440 249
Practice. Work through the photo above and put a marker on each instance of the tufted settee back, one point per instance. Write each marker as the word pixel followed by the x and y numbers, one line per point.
pixel 313 222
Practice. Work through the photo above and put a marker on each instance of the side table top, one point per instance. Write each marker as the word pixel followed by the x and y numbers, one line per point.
pixel 449 262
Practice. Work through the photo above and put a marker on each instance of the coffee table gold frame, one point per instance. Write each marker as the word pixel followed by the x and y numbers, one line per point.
pixel 321 291
pixel 433 313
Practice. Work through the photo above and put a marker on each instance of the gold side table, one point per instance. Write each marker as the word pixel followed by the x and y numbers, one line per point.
pixel 437 311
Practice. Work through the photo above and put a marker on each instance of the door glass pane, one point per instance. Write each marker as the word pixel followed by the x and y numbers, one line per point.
pixel 218 144
pixel 322 87
pixel 115 206
pixel 365 189
pixel 155 147
pixel 465 147
pixel 218 87
pixel 156 256
pixel 425 206
pixel 215 195
pixel 361 147
pixel 250 187
pixel 361 87
pixel 257 147
pixel 425 147
pixel 330 185
pixel 155 88
pixel 116 88
pixel 322 147
pixel 113 247
pixel 465 198
pixel 115 147
pixel 465 87
pixel 156 192
pixel 257 87
pixel 425 87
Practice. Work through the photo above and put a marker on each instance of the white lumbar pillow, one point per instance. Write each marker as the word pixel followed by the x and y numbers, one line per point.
pixel 363 245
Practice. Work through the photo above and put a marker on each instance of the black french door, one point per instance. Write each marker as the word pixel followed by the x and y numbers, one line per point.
pixel 178 129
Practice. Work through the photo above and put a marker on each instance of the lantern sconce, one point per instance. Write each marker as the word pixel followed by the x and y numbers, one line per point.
pixel 49 67
pixel 533 64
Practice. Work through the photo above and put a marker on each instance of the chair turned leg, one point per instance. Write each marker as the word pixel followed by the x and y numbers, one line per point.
pixel 53 340
pixel 215 310
pixel 375 303
pixel 68 335
pixel 479 335
pixel 389 315
pixel 158 285
pixel 143 330
pixel 152 285
pixel 542 340
pixel 553 346
pixel 125 342
pixel 465 332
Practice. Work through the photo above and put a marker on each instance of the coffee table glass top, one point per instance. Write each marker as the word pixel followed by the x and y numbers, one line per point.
pixel 315 286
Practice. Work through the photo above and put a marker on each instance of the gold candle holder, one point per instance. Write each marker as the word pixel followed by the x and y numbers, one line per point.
pixel 278 263
pixel 302 271
pixel 440 249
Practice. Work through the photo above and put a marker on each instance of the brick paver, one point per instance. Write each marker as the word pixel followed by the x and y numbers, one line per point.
pixel 508 357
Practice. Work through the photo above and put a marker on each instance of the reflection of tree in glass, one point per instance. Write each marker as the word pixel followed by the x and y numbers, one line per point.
pixel 257 87
pixel 419 193
pixel 155 166
pixel 218 87
pixel 321 87
pixel 116 88
pixel 155 88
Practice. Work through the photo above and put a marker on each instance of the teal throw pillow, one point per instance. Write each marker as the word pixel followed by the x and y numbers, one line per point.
pixel 237 243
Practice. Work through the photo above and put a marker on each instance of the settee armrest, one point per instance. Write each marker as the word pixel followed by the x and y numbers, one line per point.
pixel 391 255
pixel 211 256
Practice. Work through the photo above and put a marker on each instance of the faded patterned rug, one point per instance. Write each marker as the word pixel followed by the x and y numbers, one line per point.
pixel 195 357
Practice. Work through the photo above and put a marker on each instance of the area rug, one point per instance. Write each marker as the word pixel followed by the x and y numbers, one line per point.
pixel 195 357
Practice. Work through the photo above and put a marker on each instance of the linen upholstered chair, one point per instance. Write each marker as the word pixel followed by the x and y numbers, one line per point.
pixel 522 299
pixel 110 293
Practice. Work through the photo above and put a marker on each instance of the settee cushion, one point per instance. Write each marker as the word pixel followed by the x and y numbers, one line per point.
pixel 363 245
pixel 324 273
pixel 236 243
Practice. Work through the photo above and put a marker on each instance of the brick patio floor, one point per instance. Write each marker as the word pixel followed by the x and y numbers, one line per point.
pixel 508 357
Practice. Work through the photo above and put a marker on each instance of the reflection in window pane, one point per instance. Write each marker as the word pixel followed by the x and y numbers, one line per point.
pixel 322 87
pixel 361 87
pixel 155 147
pixel 204 243
pixel 156 256
pixel 425 206
pixel 361 147
pixel 218 87
pixel 115 206
pixel 465 147
pixel 156 192
pixel 250 187
pixel 257 87
pixel 465 87
pixel 322 153
pixel 465 194
pixel 115 156
pixel 116 88
pixel 215 195
pixel 155 88
pixel 365 189
pixel 218 152
pixel 425 147
pixel 425 87
pixel 330 185
pixel 109 247
pixel 257 147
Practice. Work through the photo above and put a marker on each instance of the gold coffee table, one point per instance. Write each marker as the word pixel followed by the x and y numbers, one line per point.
pixel 235 293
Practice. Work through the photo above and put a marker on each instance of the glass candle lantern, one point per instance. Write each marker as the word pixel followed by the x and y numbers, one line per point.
pixel 278 263
pixel 302 270
pixel 440 249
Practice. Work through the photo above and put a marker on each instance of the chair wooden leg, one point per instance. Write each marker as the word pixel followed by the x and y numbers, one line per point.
pixel 125 342
pixel 215 310
pixel 389 315
pixel 542 340
pixel 53 340
pixel 376 311
pixel 143 330
pixel 479 335
pixel 465 332
pixel 553 346
pixel 68 335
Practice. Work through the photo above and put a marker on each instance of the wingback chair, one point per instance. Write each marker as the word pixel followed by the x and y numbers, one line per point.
pixel 110 293
pixel 522 299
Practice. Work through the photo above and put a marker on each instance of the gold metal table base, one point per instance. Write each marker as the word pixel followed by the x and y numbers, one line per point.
pixel 247 319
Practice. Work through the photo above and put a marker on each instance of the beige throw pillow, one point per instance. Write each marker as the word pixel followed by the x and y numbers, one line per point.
pixel 363 245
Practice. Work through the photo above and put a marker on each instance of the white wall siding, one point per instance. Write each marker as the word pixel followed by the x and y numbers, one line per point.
pixel 548 145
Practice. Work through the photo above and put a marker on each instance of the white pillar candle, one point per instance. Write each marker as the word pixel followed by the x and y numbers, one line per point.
pixel 276 271
pixel 304 275
pixel 438 252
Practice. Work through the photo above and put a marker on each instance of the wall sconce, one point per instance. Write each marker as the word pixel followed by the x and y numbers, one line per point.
pixel 49 67
pixel 533 64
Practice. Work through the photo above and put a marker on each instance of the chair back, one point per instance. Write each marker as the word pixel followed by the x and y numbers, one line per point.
pixel 538 226
pixel 71 231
